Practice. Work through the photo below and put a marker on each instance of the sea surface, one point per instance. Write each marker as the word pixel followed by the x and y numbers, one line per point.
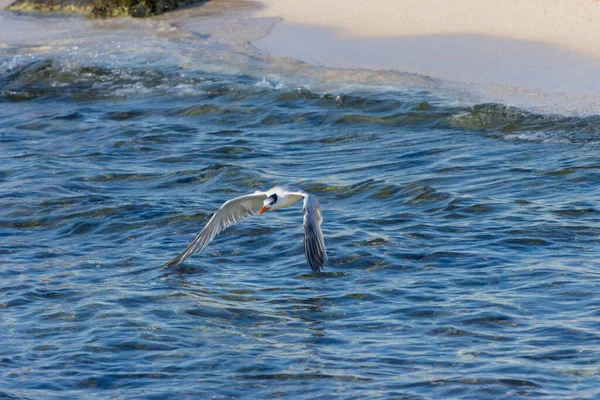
pixel 463 234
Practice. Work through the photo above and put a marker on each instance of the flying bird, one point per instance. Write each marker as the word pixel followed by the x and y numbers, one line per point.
pixel 235 210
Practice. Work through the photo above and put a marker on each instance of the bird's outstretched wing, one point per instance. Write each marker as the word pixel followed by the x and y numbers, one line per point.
pixel 314 245
pixel 229 213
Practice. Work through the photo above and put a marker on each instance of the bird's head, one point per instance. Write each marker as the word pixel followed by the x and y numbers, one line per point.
pixel 269 203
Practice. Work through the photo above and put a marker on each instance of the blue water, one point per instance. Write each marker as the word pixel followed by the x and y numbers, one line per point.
pixel 462 238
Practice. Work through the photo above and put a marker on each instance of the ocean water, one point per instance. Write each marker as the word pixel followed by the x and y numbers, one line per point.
pixel 462 233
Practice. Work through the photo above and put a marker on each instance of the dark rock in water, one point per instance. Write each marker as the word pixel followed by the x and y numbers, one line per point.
pixel 102 8
pixel 136 8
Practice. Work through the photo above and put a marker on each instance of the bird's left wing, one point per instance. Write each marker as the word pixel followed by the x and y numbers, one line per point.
pixel 229 213
pixel 314 245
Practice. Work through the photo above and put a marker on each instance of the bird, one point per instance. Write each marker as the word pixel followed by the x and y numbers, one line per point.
pixel 278 197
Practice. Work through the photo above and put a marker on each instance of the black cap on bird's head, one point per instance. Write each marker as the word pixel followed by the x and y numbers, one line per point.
pixel 268 203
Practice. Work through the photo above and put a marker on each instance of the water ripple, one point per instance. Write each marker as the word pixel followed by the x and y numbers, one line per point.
pixel 461 241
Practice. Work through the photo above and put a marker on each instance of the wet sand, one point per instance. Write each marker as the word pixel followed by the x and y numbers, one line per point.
pixel 461 58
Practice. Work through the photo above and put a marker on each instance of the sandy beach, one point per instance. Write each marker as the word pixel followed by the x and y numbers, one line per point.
pixel 540 46
pixel 573 25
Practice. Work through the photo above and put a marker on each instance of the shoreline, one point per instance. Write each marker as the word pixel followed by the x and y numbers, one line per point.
pixel 529 74
pixel 323 35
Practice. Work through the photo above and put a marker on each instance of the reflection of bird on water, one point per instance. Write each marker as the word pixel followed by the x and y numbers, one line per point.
pixel 237 209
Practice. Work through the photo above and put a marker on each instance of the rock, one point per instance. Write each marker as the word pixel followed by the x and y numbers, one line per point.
pixel 52 6
pixel 101 8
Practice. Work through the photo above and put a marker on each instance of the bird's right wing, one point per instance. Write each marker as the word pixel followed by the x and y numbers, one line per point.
pixel 228 214
pixel 314 245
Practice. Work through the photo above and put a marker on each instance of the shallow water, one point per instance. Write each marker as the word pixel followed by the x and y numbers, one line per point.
pixel 462 235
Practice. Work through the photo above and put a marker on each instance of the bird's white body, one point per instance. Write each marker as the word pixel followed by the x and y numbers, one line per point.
pixel 279 197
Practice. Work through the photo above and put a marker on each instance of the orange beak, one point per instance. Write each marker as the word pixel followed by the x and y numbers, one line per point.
pixel 262 210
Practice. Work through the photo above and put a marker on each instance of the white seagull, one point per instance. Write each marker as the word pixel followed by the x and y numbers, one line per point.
pixel 242 207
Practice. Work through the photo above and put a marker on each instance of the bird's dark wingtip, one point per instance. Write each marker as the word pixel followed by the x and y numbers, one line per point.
pixel 317 268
